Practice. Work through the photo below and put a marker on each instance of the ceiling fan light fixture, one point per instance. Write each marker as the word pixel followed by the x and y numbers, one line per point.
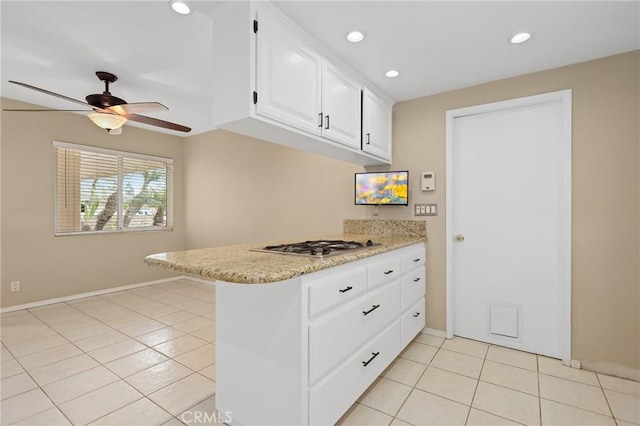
pixel 181 7
pixel 105 121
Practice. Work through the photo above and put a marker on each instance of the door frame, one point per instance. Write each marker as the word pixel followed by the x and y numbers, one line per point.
pixel 564 97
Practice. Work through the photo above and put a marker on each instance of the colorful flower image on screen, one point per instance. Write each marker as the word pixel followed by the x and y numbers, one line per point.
pixel 382 188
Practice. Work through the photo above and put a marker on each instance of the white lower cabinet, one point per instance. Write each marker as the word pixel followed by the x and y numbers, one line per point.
pixel 335 338
pixel 385 269
pixel 333 396
pixel 412 286
pixel 302 351
pixel 344 285
pixel 413 322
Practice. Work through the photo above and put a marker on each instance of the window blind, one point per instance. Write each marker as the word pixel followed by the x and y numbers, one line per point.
pixel 99 190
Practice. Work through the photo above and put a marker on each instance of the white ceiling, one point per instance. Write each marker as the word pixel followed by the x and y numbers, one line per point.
pixel 164 57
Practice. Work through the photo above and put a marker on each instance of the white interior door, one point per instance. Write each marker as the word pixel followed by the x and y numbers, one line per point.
pixel 508 207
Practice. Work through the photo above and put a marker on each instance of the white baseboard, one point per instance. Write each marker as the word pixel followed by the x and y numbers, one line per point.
pixel 612 369
pixel 434 332
pixel 95 293
pixel 573 363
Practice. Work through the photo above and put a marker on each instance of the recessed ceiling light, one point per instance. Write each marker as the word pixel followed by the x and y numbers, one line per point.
pixel 355 36
pixel 392 73
pixel 520 38
pixel 180 7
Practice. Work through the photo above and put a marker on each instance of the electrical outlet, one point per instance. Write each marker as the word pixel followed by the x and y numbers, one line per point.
pixel 15 286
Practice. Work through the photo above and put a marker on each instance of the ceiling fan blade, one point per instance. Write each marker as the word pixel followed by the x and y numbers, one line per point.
pixel 138 107
pixel 156 122
pixel 57 95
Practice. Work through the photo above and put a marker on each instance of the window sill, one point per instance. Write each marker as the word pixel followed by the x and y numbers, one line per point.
pixel 117 231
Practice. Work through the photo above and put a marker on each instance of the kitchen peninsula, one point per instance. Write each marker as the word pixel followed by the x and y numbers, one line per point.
pixel 299 338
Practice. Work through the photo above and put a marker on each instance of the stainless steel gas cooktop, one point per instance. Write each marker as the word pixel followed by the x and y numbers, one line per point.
pixel 317 248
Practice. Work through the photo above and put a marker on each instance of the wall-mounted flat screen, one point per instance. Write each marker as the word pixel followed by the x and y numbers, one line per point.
pixel 382 188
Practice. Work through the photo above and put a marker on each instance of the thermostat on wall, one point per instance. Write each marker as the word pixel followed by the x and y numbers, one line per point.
pixel 428 181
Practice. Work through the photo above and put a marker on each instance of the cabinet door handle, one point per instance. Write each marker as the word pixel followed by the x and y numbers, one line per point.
pixel 326 120
pixel 344 290
pixel 368 138
pixel 320 124
pixel 415 280
pixel 416 260
pixel 371 310
pixel 416 315
pixel 390 271
pixel 375 354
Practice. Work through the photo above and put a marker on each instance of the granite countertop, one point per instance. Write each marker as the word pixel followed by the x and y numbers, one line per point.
pixel 236 264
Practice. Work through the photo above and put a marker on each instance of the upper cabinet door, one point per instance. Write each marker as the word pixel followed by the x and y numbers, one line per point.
pixel 376 125
pixel 288 76
pixel 340 107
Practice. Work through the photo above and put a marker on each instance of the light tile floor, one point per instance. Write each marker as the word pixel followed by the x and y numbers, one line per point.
pixel 146 356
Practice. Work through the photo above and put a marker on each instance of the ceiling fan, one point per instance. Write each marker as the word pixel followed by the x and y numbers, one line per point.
pixel 110 112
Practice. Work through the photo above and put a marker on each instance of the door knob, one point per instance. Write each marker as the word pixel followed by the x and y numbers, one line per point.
pixel 460 238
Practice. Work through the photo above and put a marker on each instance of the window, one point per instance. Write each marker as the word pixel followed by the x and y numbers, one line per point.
pixel 101 190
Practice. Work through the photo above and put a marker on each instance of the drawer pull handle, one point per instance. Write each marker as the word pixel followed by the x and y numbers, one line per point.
pixel 415 280
pixel 344 290
pixel 390 271
pixel 416 315
pixel 371 310
pixel 375 354
pixel 416 260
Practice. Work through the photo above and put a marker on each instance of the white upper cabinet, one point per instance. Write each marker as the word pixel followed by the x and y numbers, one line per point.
pixel 288 77
pixel 296 86
pixel 341 107
pixel 272 81
pixel 376 125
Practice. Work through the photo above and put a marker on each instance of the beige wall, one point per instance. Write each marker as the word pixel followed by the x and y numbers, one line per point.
pixel 241 190
pixel 606 187
pixel 48 266
pixel 233 189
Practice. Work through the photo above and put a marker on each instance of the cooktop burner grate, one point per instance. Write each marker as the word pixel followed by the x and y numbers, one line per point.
pixel 316 248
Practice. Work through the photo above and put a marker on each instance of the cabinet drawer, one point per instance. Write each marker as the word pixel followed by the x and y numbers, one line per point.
pixel 331 341
pixel 384 270
pixel 332 398
pixel 414 257
pixel 412 322
pixel 344 287
pixel 412 287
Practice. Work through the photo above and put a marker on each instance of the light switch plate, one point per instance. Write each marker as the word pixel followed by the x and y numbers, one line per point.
pixel 425 209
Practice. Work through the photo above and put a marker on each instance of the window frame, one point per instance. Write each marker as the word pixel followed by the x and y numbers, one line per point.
pixel 120 217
